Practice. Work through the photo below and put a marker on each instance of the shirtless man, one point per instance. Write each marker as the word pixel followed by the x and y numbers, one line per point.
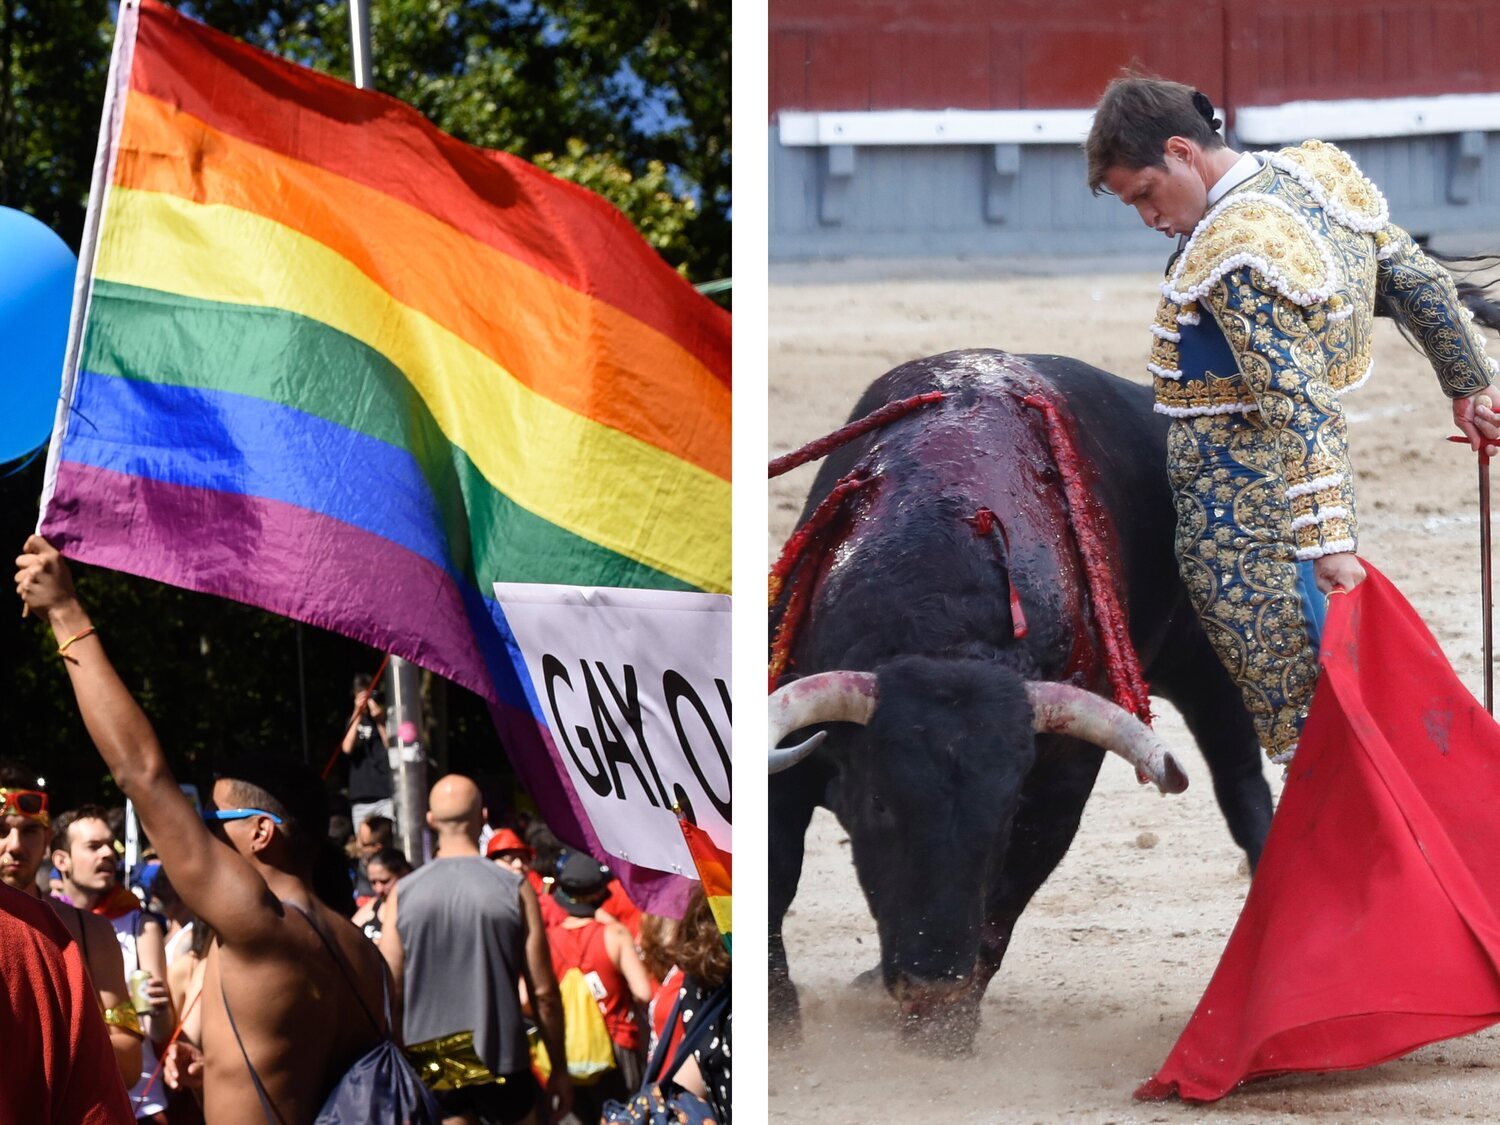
pixel 23 847
pixel 249 878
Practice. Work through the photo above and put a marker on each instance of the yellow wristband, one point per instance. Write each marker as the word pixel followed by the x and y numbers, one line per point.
pixel 62 648
pixel 125 1018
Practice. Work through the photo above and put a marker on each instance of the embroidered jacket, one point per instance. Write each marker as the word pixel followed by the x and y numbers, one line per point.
pixel 1267 311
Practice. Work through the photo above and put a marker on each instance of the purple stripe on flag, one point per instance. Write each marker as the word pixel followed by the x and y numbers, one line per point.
pixel 266 553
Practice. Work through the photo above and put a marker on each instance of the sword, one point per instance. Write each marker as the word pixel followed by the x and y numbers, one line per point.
pixel 1486 603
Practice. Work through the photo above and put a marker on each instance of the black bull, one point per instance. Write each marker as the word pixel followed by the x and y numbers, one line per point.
pixel 956 811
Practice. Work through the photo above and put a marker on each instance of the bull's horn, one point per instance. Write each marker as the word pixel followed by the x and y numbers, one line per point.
pixel 827 697
pixel 1064 709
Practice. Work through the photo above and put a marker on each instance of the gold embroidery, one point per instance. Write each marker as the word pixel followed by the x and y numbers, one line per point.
pixel 1263 231
pixel 1237 561
pixel 1341 182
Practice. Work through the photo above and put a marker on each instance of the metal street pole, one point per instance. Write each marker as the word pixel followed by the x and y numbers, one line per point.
pixel 410 769
pixel 405 716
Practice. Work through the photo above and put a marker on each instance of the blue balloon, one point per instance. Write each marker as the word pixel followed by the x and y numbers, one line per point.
pixel 36 297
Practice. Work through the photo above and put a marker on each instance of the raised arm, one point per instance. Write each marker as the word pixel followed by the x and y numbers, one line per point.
pixel 214 881
pixel 351 730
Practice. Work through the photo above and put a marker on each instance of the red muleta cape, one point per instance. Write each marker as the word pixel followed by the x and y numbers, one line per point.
pixel 1372 926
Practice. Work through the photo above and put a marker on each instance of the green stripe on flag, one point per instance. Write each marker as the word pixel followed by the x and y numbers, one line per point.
pixel 281 357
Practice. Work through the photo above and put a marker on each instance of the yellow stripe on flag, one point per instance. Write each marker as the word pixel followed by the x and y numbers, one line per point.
pixel 575 473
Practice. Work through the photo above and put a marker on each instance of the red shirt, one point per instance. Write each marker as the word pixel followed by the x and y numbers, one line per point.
pixel 58 1063
pixel 661 1010
pixel 617 905
pixel 583 947
pixel 552 914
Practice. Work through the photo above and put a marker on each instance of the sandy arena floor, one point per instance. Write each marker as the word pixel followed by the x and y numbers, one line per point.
pixel 1115 950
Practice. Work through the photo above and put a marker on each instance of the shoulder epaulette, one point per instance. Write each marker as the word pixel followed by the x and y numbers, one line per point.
pixel 1344 192
pixel 1260 231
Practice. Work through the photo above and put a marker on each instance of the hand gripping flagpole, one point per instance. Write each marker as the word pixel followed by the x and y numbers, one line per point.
pixel 1486 603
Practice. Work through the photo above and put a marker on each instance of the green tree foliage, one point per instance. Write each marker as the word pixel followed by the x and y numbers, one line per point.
pixel 629 100
pixel 639 88
pixel 54 57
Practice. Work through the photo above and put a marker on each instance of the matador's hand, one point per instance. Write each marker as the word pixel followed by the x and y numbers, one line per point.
pixel 1478 418
pixel 1341 571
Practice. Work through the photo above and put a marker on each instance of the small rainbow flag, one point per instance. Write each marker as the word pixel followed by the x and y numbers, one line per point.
pixel 714 871
pixel 332 362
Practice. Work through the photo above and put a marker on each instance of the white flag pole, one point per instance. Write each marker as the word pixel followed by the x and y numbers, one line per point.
pixel 116 86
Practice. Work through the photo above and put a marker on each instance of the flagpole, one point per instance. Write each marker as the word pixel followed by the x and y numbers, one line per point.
pixel 359 43
pixel 120 57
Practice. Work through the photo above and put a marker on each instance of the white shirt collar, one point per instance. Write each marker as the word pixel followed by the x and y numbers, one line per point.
pixel 1242 169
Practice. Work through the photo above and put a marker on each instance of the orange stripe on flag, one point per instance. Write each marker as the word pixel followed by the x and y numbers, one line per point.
pixel 583 354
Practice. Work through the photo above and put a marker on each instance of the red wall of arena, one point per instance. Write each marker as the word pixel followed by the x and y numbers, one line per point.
pixel 1059 54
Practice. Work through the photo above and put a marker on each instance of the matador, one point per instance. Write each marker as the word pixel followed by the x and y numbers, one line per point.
pixel 1264 323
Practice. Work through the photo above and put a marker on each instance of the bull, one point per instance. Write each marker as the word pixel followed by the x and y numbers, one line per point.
pixel 946 658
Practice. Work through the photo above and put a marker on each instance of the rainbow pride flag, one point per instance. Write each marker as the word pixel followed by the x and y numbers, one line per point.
pixel 714 871
pixel 330 361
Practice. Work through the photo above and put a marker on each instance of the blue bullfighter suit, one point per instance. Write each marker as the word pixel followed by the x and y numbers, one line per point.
pixel 1265 322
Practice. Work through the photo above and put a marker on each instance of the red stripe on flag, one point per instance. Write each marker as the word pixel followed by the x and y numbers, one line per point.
pixel 556 227
pixel 714 866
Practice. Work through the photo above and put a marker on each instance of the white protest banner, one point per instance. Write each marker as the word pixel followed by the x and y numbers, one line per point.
pixel 633 686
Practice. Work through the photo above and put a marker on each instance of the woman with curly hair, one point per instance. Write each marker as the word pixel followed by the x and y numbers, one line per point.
pixel 697 950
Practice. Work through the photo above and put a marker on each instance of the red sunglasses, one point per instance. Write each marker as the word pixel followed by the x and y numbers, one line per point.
pixel 23 802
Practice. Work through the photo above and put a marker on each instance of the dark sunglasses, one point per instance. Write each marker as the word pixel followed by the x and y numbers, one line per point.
pixel 218 816
pixel 23 802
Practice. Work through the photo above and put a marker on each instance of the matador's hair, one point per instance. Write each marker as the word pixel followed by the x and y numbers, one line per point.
pixel 1136 116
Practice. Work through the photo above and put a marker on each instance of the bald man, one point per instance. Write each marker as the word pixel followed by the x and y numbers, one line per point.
pixel 453 929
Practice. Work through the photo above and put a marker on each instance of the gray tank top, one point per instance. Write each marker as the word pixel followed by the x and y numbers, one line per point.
pixel 463 936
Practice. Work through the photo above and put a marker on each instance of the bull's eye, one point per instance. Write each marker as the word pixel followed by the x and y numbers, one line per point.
pixel 877 804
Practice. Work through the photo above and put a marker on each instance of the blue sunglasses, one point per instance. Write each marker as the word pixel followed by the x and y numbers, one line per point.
pixel 218 816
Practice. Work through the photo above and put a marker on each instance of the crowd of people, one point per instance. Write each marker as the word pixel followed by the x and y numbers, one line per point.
pixel 264 946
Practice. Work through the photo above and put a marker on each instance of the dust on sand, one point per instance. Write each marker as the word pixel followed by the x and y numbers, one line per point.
pixel 1116 948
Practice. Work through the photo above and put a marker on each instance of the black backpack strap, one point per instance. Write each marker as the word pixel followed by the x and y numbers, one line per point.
pixel 338 961
pixel 272 1113
pixel 658 1055
pixel 703 1023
